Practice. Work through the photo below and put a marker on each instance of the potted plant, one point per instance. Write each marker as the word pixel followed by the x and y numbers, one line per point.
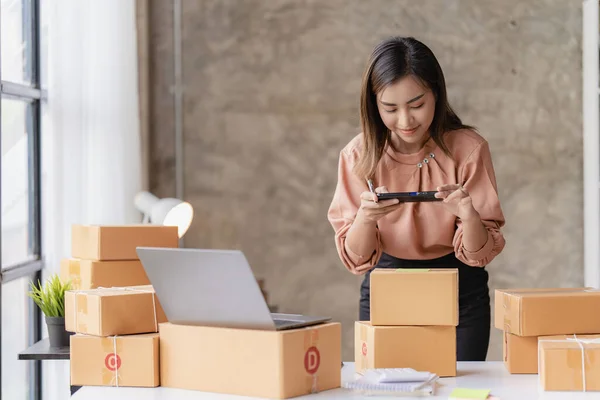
pixel 50 298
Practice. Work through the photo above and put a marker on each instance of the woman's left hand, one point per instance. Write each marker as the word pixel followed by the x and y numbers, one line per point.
pixel 457 201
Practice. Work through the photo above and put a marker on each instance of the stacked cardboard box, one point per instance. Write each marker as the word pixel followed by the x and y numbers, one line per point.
pixel 414 314
pixel 121 330
pixel 105 256
pixel 520 352
pixel 116 341
pixel 553 332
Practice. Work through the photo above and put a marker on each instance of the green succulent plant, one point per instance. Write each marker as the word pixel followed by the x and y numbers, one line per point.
pixel 50 297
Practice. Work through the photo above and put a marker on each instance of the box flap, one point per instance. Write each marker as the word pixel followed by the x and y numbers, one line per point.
pixel 392 271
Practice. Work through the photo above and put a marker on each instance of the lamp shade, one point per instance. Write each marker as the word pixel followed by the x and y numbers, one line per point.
pixel 168 211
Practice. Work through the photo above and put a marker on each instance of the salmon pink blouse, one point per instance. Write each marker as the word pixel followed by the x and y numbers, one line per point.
pixel 426 230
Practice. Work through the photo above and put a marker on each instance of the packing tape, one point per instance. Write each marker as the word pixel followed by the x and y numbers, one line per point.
pixel 574 363
pixel 505 334
pixel 364 333
pixel 549 291
pixel 581 343
pixel 117 366
pixel 74 273
pixel 412 270
pixel 315 385
pixel 102 289
pixel 79 324
pixel 312 358
pixel 112 362
pixel 507 309
pixel 79 306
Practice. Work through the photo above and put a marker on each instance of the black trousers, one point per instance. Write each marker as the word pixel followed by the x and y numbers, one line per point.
pixel 473 330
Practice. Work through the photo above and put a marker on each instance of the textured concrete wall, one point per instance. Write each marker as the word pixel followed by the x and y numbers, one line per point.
pixel 271 96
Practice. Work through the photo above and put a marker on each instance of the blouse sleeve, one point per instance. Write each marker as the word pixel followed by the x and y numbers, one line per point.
pixel 479 179
pixel 341 215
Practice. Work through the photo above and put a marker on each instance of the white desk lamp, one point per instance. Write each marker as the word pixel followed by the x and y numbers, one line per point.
pixel 168 211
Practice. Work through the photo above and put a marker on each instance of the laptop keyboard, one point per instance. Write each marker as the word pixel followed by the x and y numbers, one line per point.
pixel 282 323
pixel 290 321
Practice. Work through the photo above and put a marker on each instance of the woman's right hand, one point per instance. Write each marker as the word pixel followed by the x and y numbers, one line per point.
pixel 371 210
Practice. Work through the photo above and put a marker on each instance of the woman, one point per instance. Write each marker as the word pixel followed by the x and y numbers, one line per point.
pixel 413 141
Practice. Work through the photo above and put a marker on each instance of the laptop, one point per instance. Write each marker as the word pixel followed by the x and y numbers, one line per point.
pixel 213 288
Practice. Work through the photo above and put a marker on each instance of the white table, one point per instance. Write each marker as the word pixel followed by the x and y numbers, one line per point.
pixel 471 375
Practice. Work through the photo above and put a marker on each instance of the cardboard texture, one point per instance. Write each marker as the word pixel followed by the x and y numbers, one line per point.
pixel 414 297
pixel 115 361
pixel 569 362
pixel 424 348
pixel 547 311
pixel 89 274
pixel 119 242
pixel 520 353
pixel 270 364
pixel 114 311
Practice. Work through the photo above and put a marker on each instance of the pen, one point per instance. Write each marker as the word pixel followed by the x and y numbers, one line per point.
pixel 370 183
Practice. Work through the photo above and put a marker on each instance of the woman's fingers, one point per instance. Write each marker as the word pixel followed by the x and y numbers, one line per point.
pixel 386 210
pixel 445 191
pixel 454 196
pixel 451 187
pixel 382 203
pixel 369 196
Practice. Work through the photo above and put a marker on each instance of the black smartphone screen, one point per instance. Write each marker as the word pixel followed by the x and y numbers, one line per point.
pixel 409 196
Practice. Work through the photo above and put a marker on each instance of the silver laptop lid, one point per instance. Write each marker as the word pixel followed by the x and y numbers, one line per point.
pixel 206 287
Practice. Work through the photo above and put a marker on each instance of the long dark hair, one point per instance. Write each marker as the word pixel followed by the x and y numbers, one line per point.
pixel 391 60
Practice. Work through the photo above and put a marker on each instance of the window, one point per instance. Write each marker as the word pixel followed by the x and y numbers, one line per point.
pixel 17 244
pixel 20 256
pixel 16 332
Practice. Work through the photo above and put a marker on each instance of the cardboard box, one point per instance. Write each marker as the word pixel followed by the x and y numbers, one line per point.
pixel 414 297
pixel 113 311
pixel 565 311
pixel 119 242
pixel 115 361
pixel 520 353
pixel 570 363
pixel 268 364
pixel 424 348
pixel 88 274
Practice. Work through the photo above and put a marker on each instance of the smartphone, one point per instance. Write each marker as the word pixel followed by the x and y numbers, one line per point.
pixel 409 197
